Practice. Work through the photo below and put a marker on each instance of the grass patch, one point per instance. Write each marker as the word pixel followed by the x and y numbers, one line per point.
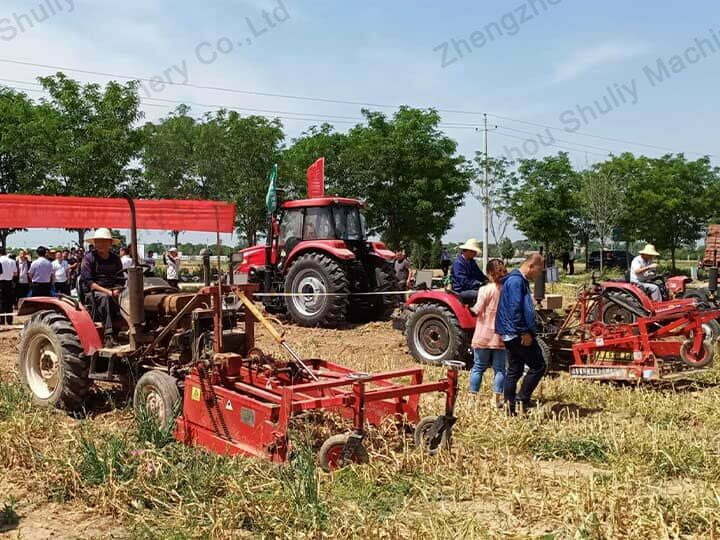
pixel 382 497
pixel 104 460
pixel 8 514
pixel 14 400
pixel 591 448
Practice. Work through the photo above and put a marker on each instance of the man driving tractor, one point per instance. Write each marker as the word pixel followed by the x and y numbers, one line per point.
pixel 643 268
pixel 466 275
pixel 101 275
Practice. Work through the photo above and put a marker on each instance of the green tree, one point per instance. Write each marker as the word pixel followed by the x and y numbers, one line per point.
pixel 507 250
pixel 542 199
pixel 602 201
pixel 671 200
pixel 94 137
pixel 406 169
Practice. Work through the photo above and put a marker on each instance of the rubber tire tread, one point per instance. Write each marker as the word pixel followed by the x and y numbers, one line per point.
pixel 166 386
pixel 74 385
pixel 627 298
pixel 361 455
pixel 457 349
pixel 336 280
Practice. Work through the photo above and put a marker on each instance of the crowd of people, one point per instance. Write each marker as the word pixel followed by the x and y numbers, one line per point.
pixel 54 272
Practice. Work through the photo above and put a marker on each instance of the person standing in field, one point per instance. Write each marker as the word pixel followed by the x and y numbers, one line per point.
pixel 445 261
pixel 172 260
pixel 41 274
pixel 402 269
pixel 22 287
pixel 8 271
pixel 515 323
pixel 61 268
pixel 488 347
pixel 125 257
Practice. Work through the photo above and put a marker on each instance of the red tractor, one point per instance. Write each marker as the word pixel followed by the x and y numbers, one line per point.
pixel 317 259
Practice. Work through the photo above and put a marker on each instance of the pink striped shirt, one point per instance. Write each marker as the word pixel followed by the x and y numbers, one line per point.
pixel 486 308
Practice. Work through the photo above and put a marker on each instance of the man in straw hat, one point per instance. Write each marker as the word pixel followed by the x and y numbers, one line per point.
pixel 643 268
pixel 101 274
pixel 467 277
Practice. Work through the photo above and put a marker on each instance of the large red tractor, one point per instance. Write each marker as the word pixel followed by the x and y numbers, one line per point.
pixel 318 265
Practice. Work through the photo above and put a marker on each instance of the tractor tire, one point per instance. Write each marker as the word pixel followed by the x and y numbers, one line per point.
pixel 433 335
pixel 330 455
pixel 313 275
pixel 615 314
pixel 377 307
pixel 51 362
pixel 157 394
pixel 421 437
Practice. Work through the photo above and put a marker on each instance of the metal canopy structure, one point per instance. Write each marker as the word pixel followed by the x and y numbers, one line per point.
pixel 46 211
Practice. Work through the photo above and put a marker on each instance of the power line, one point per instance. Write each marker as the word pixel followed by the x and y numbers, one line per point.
pixel 583 134
pixel 554 145
pixel 536 135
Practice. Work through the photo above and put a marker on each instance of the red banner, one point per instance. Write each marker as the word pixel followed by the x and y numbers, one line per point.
pixel 316 179
pixel 45 211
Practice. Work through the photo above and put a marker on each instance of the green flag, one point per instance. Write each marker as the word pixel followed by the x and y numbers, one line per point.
pixel 271 197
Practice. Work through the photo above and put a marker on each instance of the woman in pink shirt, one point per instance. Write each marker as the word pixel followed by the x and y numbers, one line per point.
pixel 488 347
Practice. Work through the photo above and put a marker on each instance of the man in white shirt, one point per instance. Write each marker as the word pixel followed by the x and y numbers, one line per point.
pixel 61 269
pixel 643 268
pixel 22 287
pixel 8 270
pixel 41 274
pixel 125 258
pixel 172 259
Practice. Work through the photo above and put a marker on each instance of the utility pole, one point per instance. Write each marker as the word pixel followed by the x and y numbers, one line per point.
pixel 486 229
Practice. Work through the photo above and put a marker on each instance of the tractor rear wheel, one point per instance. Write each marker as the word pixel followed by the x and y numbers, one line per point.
pixel 613 313
pixel 433 335
pixel 157 395
pixel 331 456
pixel 51 362
pixel 320 287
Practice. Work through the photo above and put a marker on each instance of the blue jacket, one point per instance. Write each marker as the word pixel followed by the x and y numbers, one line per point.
pixel 516 311
pixel 466 275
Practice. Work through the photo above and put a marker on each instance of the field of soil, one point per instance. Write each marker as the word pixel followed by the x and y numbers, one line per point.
pixel 594 461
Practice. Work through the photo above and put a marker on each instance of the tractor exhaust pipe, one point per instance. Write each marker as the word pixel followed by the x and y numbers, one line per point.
pixel 135 283
pixel 539 292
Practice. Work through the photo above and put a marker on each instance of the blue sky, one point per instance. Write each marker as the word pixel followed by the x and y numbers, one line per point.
pixel 534 62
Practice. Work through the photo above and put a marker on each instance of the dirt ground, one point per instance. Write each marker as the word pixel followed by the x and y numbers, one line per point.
pixel 40 519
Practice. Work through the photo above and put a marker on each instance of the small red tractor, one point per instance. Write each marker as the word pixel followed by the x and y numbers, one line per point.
pixel 317 258
pixel 653 341
pixel 195 353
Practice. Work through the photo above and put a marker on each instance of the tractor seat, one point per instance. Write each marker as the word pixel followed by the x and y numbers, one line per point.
pixel 465 301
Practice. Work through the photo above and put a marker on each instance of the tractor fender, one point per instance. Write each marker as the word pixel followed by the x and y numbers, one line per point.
pixel 333 248
pixel 463 314
pixel 78 316
pixel 379 249
pixel 632 289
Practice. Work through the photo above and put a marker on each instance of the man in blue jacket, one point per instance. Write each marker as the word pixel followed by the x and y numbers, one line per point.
pixel 515 322
pixel 467 277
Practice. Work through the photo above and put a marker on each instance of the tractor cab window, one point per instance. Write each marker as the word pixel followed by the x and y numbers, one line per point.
pixel 348 223
pixel 318 224
pixel 291 226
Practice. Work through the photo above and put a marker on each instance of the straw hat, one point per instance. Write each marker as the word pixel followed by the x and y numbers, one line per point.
pixel 650 251
pixel 103 234
pixel 172 250
pixel 472 245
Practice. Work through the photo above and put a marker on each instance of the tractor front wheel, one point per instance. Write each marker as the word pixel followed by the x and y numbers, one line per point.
pixel 332 453
pixel 157 396
pixel 433 335
pixel 320 291
pixel 51 362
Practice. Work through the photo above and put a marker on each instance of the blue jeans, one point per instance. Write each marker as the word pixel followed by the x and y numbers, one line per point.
pixel 483 359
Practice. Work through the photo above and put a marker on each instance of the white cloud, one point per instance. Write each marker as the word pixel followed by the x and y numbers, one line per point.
pixel 587 59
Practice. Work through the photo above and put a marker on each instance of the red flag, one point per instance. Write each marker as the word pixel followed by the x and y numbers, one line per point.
pixel 316 179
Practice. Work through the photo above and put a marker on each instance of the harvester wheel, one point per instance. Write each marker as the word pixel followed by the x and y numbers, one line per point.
pixel 615 314
pixel 703 359
pixel 51 362
pixel 313 276
pixel 157 395
pixel 433 335
pixel 331 452
pixel 431 445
